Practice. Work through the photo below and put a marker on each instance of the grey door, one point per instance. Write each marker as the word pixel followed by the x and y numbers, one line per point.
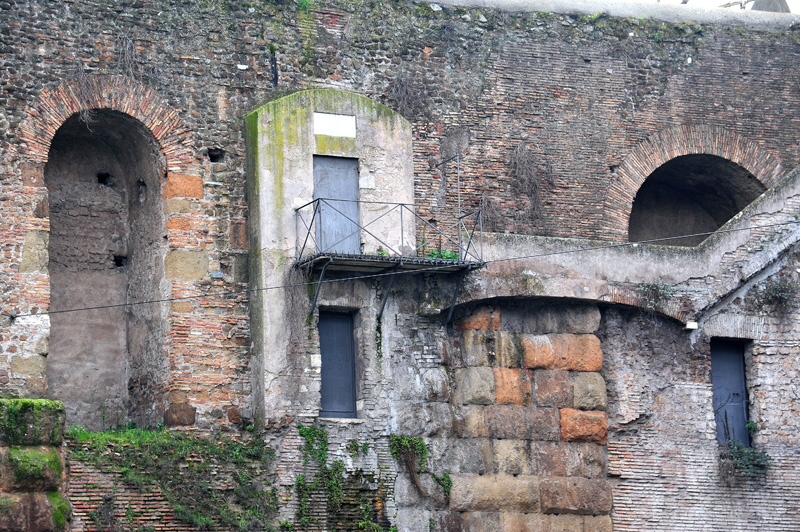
pixel 336 186
pixel 730 390
pixel 338 365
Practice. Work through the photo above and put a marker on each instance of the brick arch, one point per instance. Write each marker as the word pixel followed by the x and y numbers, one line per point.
pixel 117 93
pixel 675 142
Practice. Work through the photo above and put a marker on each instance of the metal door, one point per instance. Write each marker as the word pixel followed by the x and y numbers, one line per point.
pixel 338 365
pixel 337 223
pixel 730 390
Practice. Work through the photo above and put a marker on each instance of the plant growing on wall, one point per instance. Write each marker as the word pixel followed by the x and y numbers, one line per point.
pixel 737 460
pixel 531 175
pixel 778 292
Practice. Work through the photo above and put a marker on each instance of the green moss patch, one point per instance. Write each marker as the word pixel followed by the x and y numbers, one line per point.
pixel 61 510
pixel 31 422
pixel 35 468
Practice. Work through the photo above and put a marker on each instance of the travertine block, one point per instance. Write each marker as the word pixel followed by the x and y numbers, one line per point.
pixel 590 391
pixel 474 386
pixel 495 492
pixel 512 386
pixel 585 426
pixel 572 495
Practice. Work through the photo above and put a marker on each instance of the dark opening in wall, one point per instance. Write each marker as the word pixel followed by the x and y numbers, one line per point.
pixel 216 155
pixel 688 195
pixel 105 248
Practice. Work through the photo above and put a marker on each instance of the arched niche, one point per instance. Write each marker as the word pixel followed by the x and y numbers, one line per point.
pixel 106 249
pixel 690 195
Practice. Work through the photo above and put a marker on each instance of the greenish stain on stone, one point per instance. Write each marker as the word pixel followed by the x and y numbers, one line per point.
pixel 59 505
pixel 335 145
pixel 25 421
pixel 32 464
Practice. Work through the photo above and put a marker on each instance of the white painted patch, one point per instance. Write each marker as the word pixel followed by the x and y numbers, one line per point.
pixel 334 125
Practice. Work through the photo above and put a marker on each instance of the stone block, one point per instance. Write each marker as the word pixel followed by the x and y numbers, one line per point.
pixel 581 425
pixel 32 174
pixel 538 351
pixel 512 386
pixel 512 457
pixel 475 347
pixel 519 522
pixel 470 422
pixel 521 423
pixel 35 512
pixel 553 388
pixel 435 384
pixel 571 495
pixel 32 366
pixel 468 456
pixel 474 386
pixel 589 460
pixel 548 319
pixel 185 265
pixel 31 422
pixel 578 352
pixel 597 523
pixel 494 492
pixel 509 351
pixel 424 419
pixel 183 186
pixel 31 469
pixel 549 459
pixel 482 319
pixel 449 522
pixel 180 414
pixel 238 235
pixel 566 523
pixel 35 256
pixel 479 521
pixel 590 391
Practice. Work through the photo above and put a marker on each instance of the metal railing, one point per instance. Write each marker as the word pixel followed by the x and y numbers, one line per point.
pixel 327 226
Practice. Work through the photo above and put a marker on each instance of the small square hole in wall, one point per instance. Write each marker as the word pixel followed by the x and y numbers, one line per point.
pixel 104 178
pixel 120 261
pixel 216 155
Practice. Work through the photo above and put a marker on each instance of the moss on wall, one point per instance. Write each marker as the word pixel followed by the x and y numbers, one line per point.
pixel 31 422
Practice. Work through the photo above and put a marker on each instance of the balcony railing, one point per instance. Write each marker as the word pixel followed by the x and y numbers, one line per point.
pixel 394 232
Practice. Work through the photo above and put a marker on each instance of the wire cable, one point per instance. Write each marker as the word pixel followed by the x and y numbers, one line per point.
pixel 432 268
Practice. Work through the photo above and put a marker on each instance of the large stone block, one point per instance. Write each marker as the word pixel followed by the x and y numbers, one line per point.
pixel 512 386
pixel 538 351
pixel 581 425
pixel 180 414
pixel 475 347
pixel 483 319
pixel 566 523
pixel 590 391
pixel 31 469
pixel 185 265
pixel 519 522
pixel 578 352
pixel 183 186
pixel 469 456
pixel 521 423
pixel 35 256
pixel 480 521
pixel 474 386
pixel 32 366
pixel 553 388
pixel 597 523
pixel 548 319
pixel 509 351
pixel 34 512
pixel 424 419
pixel 31 422
pixel 495 492
pixel 470 422
pixel 571 495
pixel 512 457
pixel 568 459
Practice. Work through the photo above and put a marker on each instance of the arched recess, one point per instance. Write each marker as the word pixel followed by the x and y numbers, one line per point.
pixel 104 173
pixel 690 195
pixel 664 146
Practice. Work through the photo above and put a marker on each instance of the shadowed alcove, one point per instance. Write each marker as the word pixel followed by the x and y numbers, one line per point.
pixel 688 195
pixel 106 248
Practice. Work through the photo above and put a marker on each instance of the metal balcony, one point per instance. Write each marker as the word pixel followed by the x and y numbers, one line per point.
pixel 373 236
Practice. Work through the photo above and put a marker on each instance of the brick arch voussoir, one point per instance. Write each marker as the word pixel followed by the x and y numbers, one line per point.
pixel 668 144
pixel 117 93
